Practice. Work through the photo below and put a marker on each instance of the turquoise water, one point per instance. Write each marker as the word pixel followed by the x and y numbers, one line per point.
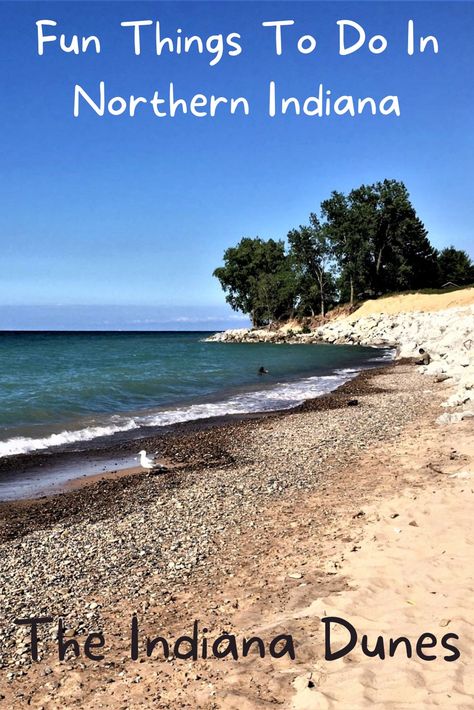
pixel 59 388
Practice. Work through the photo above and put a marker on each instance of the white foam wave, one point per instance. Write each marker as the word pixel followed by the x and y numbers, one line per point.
pixel 282 396
pixel 22 445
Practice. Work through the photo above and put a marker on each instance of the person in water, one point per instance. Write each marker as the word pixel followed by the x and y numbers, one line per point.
pixel 425 357
pixel 262 371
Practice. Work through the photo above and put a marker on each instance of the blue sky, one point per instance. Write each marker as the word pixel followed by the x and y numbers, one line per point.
pixel 109 212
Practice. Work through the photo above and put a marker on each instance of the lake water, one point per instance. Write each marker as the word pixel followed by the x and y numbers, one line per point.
pixel 63 388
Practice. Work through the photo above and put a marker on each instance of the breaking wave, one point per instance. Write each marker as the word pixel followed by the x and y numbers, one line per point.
pixel 284 395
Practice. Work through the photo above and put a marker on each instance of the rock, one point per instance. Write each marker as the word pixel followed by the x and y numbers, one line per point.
pixel 445 335
pixel 448 418
pixel 454 417
pixel 462 475
pixel 295 575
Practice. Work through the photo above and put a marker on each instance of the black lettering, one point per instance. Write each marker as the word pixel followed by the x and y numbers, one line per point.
pixel 193 645
pixel 63 645
pixel 395 642
pixel 34 623
pixel 134 639
pixel 449 647
pixel 231 646
pixel 204 644
pixel 94 641
pixel 247 643
pixel 421 644
pixel 151 643
pixel 379 648
pixel 288 647
pixel 329 655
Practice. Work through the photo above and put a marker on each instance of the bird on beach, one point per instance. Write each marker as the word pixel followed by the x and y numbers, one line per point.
pixel 149 463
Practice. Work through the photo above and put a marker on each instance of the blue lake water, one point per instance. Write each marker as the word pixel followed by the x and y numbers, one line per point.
pixel 61 388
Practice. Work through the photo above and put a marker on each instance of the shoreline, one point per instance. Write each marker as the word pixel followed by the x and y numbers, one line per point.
pixel 252 395
pixel 119 447
pixel 245 545
pixel 439 327
pixel 263 525
pixel 196 447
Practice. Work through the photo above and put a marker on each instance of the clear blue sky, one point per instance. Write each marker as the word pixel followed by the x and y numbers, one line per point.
pixel 135 212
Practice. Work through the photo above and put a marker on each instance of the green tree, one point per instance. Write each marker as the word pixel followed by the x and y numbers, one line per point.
pixel 455 266
pixel 415 262
pixel 311 256
pixel 380 242
pixel 258 280
pixel 347 235
pixel 366 243
pixel 402 255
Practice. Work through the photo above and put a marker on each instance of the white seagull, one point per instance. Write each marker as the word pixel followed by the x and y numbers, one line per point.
pixel 149 463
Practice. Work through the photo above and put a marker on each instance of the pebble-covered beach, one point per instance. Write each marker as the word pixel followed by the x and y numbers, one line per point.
pixel 135 540
pixel 251 520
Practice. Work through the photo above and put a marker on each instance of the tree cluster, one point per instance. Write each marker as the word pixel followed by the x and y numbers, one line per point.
pixel 361 245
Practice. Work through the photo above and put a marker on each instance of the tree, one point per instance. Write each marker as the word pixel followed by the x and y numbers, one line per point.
pixel 402 255
pixel 380 242
pixel 415 263
pixel 258 280
pixel 455 266
pixel 366 243
pixel 311 254
pixel 346 233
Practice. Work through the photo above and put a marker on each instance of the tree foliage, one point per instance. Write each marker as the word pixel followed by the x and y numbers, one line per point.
pixel 311 255
pixel 258 280
pixel 363 244
pixel 455 266
pixel 381 243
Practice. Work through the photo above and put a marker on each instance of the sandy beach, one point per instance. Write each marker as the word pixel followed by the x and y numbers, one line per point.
pixel 267 526
pixel 236 356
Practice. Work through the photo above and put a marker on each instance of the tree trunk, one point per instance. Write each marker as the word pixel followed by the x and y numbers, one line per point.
pixel 351 280
pixel 321 290
pixel 379 261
